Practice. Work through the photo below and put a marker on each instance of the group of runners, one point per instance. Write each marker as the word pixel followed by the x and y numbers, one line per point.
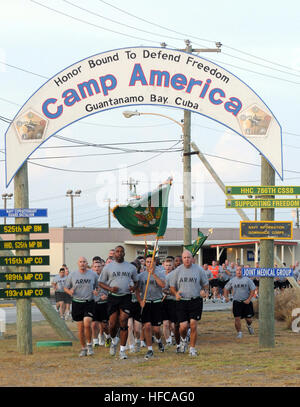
pixel 110 307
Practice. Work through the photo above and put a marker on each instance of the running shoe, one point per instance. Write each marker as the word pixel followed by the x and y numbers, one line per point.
pixel 183 347
pixel 101 340
pixel 137 346
pixel 169 342
pixel 95 344
pixel 161 347
pixel 143 345
pixel 178 349
pixel 149 354
pixel 250 330
pixel 239 335
pixel 83 352
pixel 107 342
pixel 112 349
pixel 123 355
pixel 193 352
pixel 90 351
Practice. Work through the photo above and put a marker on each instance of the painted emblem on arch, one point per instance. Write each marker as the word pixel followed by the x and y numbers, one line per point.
pixel 31 127
pixel 254 121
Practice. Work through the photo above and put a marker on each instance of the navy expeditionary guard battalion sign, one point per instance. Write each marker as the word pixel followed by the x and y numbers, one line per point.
pixel 142 76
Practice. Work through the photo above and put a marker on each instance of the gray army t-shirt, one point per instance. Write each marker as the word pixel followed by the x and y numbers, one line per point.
pixel 167 287
pixel 241 287
pixel 84 284
pixel 60 283
pixel 154 292
pixel 189 281
pixel 121 275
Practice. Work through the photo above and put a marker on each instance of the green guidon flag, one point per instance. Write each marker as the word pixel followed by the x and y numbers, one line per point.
pixel 193 248
pixel 147 214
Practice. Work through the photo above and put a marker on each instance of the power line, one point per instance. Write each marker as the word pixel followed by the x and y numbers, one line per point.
pixel 118 22
pixel 91 24
pixel 197 38
pixel 97 171
pixel 23 70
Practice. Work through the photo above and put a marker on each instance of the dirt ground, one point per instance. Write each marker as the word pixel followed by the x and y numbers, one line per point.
pixel 223 361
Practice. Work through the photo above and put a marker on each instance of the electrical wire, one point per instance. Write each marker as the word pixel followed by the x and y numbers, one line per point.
pixel 197 38
pixel 91 24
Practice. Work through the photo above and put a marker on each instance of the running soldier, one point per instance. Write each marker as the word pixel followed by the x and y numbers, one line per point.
pixel 169 309
pixel 152 306
pixel 119 278
pixel 100 320
pixel 59 282
pixel 243 290
pixel 186 283
pixel 81 285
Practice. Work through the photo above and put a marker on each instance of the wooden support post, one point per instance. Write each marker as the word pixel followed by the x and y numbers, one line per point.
pixel 266 284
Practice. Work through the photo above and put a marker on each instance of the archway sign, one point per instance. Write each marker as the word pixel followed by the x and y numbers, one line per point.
pixel 142 76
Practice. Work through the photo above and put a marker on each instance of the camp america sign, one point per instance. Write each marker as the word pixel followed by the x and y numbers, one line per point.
pixel 142 76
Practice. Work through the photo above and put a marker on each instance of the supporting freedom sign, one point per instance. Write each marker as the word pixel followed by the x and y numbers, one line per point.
pixel 142 76
pixel 267 272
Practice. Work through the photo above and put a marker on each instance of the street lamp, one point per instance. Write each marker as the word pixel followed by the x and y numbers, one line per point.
pixel 5 197
pixel 70 194
pixel 187 218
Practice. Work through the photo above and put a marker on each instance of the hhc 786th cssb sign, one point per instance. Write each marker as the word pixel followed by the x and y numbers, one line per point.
pixel 266 230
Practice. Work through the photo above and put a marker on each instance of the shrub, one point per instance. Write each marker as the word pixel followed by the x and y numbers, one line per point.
pixel 284 303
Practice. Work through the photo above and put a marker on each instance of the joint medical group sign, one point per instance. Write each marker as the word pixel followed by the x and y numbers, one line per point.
pixel 142 76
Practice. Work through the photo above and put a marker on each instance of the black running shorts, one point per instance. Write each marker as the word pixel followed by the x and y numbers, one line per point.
pixel 100 312
pixel 80 310
pixel 221 283
pixel 169 310
pixel 152 312
pixel 213 283
pixel 136 311
pixel 59 296
pixel 68 299
pixel 242 310
pixel 119 302
pixel 189 309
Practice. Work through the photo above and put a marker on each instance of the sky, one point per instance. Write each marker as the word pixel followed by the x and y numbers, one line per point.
pixel 260 46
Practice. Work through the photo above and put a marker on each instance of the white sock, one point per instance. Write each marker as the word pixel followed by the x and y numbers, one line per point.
pixel 95 340
pixel 183 340
pixel 122 348
pixel 169 339
pixel 107 336
pixel 150 348
pixel 88 344
pixel 192 349
pixel 114 340
pixel 158 340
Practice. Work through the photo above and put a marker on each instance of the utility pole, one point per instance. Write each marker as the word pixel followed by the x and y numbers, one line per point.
pixel 5 197
pixel 24 324
pixel 109 210
pixel 266 284
pixel 70 194
pixel 132 187
pixel 187 188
